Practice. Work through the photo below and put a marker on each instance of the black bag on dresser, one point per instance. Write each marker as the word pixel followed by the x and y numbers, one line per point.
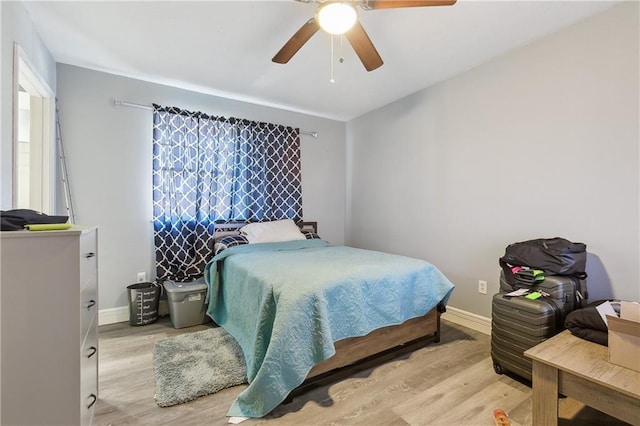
pixel 555 256
pixel 15 220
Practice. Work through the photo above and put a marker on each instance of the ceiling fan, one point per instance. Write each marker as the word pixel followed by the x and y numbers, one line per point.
pixel 348 25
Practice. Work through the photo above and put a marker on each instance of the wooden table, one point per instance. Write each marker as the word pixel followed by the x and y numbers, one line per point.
pixel 580 369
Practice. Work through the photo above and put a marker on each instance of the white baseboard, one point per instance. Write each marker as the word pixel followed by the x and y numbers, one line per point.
pixel 113 315
pixel 121 314
pixel 468 319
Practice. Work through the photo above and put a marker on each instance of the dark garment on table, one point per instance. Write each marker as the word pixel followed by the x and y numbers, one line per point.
pixel 15 220
pixel 588 324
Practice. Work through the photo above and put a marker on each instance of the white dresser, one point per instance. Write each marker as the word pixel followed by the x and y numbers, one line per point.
pixel 49 335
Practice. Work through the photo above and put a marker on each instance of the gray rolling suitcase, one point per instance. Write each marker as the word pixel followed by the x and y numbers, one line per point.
pixel 566 291
pixel 517 324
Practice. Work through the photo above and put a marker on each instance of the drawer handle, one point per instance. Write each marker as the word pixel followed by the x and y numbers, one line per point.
pixel 93 351
pixel 91 304
pixel 90 254
pixel 94 398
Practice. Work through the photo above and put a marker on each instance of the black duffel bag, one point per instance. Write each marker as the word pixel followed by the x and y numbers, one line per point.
pixel 555 256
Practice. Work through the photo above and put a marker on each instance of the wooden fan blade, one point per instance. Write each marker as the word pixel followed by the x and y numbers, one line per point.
pixel 392 4
pixel 364 48
pixel 298 40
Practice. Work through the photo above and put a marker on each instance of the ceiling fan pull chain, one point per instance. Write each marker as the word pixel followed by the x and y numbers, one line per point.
pixel 331 80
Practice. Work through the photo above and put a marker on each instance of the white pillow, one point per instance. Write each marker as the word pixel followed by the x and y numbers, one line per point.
pixel 272 232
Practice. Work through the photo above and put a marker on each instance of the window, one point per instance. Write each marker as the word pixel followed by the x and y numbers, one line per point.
pixel 33 168
pixel 213 169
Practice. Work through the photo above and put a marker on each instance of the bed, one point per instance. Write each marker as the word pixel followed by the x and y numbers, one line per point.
pixel 305 311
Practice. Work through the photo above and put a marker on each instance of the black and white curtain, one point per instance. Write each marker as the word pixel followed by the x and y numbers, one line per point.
pixel 213 169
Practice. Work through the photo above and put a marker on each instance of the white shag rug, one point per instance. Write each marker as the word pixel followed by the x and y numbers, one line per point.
pixel 192 365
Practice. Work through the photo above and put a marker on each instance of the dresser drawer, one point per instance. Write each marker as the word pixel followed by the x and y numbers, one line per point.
pixel 88 272
pixel 87 409
pixel 88 283
pixel 89 398
pixel 88 309
pixel 88 259
pixel 89 373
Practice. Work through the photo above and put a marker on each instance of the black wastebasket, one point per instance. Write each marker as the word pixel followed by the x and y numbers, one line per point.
pixel 143 303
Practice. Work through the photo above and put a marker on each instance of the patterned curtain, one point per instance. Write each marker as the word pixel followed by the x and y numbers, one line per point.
pixel 214 169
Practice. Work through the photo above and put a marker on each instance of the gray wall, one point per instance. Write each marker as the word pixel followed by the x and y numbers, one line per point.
pixel 109 160
pixel 541 142
pixel 17 28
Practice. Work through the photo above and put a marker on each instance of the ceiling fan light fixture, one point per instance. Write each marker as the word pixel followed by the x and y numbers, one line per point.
pixel 336 18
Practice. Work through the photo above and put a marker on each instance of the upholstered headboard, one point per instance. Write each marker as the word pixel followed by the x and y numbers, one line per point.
pixel 228 234
pixel 231 228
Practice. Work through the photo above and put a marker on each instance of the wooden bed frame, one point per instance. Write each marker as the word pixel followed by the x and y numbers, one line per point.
pixel 381 345
pixel 360 353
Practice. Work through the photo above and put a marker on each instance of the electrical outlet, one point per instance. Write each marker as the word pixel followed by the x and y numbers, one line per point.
pixel 482 287
pixel 142 277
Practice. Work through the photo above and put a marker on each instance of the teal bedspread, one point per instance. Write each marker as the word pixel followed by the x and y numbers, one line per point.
pixel 287 303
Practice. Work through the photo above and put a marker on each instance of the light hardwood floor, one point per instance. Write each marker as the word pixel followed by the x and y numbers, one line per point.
pixel 448 383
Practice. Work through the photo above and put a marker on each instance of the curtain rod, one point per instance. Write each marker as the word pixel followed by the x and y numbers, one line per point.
pixel 119 102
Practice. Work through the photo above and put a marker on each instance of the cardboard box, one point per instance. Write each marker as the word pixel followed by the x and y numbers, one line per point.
pixel 624 336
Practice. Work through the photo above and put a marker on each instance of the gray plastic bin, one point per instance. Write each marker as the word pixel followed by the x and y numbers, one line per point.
pixel 143 303
pixel 186 302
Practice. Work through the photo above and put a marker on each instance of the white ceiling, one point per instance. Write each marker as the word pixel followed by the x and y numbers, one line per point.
pixel 225 48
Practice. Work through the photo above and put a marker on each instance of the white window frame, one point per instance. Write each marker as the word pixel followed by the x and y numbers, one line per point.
pixel 42 195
